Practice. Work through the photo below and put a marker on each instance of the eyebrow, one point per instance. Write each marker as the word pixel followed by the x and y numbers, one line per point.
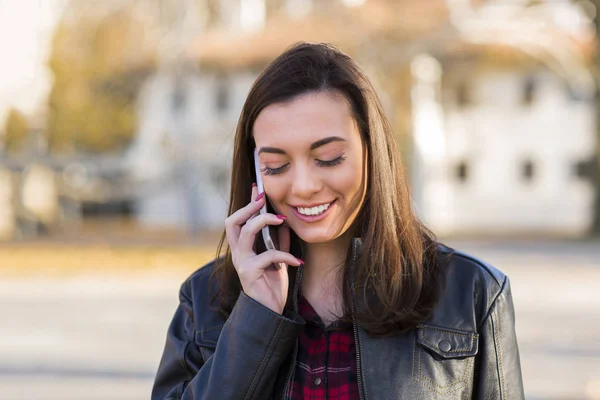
pixel 317 144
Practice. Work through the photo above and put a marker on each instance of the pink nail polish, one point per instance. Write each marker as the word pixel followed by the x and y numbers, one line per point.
pixel 253 185
pixel 260 196
pixel 300 261
pixel 283 217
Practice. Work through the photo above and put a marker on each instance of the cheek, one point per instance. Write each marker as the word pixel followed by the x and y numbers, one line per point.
pixel 276 189
pixel 347 180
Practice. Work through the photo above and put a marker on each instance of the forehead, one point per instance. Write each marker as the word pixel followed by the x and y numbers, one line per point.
pixel 305 118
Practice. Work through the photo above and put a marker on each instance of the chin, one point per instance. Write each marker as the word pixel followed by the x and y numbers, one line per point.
pixel 314 236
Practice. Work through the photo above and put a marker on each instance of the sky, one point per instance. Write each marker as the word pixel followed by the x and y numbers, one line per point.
pixel 26 28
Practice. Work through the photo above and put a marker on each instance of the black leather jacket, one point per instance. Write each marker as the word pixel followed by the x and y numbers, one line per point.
pixel 467 349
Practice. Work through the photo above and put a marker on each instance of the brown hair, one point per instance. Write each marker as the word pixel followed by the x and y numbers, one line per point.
pixel 398 276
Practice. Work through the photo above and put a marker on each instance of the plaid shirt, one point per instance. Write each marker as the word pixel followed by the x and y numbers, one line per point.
pixel 326 363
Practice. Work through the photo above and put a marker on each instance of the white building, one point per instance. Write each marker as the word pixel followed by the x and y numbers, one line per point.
pixel 504 140
pixel 181 155
pixel 499 147
pixel 180 159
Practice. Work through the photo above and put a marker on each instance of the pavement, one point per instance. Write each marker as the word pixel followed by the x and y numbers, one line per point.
pixel 101 336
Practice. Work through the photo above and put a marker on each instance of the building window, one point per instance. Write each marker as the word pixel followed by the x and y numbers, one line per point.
pixel 529 88
pixel 587 169
pixel 219 178
pixel 222 95
pixel 178 97
pixel 579 95
pixel 527 171
pixel 463 94
pixel 462 171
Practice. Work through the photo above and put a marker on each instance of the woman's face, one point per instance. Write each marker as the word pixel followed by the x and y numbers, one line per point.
pixel 311 161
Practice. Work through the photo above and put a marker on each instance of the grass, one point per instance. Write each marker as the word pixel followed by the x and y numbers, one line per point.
pixel 70 259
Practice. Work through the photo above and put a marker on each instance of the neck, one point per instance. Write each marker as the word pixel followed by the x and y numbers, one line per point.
pixel 323 261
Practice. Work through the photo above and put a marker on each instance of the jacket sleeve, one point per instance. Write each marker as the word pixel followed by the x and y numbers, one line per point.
pixel 253 343
pixel 499 373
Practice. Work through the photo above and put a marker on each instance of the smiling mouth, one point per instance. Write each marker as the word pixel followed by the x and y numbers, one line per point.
pixel 313 211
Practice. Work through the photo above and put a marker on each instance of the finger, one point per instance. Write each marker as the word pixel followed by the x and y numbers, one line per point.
pixel 235 221
pixel 251 229
pixel 272 257
pixel 243 214
pixel 283 236
pixel 253 197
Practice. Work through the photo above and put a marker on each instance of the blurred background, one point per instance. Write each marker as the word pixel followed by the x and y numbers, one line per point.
pixel 116 128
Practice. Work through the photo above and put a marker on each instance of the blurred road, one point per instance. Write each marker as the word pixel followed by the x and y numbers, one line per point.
pixel 92 337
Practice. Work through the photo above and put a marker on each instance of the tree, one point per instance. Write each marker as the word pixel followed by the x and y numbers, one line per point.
pixel 15 131
pixel 90 49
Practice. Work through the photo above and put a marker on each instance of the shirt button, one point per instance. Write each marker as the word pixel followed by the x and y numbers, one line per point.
pixel 317 381
pixel 445 345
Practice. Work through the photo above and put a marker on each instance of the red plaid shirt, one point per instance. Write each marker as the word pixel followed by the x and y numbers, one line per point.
pixel 326 363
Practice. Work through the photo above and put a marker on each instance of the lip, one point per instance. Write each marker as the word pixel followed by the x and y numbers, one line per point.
pixel 313 218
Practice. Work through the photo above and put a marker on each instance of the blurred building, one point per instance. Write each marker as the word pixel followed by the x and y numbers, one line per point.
pixel 502 101
pixel 505 123
pixel 493 103
pixel 181 155
pixel 184 141
pixel 514 149
pixel 32 198
pixel 188 109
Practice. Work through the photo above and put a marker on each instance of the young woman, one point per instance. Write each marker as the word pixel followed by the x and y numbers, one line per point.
pixel 368 305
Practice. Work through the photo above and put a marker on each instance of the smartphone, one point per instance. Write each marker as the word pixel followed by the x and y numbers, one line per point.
pixel 266 231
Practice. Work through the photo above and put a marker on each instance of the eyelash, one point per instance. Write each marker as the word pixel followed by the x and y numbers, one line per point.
pixel 320 163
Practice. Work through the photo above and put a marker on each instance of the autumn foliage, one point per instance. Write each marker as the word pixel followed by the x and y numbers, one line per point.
pixel 90 52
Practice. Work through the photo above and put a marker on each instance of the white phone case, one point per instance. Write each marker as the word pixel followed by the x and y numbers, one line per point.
pixel 266 234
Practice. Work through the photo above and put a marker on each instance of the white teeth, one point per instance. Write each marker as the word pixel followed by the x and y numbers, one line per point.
pixel 313 210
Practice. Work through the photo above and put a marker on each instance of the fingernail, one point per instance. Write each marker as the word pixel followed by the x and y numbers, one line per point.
pixel 260 196
pixel 300 261
pixel 253 185
pixel 283 217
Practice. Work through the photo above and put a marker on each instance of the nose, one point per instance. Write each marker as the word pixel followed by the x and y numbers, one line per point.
pixel 306 182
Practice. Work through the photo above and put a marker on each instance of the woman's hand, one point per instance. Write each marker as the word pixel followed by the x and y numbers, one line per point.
pixel 259 279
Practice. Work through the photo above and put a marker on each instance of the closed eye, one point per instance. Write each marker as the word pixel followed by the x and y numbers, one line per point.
pixel 320 163
pixel 331 163
pixel 274 171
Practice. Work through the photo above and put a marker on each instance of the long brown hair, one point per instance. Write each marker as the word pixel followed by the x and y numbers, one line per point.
pixel 398 276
